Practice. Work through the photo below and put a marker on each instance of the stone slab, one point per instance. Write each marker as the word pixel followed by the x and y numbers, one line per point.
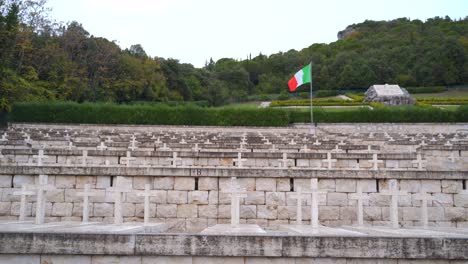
pixel 227 229
pixel 412 232
pixel 321 231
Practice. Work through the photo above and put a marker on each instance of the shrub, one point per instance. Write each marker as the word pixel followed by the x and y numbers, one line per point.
pixel 356 97
pixel 304 95
pixel 325 93
pixel 432 89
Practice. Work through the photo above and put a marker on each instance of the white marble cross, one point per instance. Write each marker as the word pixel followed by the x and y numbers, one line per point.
pixel 133 146
pixel 284 162
pixel 39 157
pixel 242 147
pixel 164 147
pixel 239 161
pixel 42 187
pixel 420 162
pixel 299 195
pixel 147 194
pixel 196 148
pixel 118 195
pixel 174 160
pixel 292 143
pixel 360 197
pixel 236 193
pixel 329 160
pixel 101 147
pixel 424 197
pixel 86 193
pixel 127 159
pixel 314 222
pixel 337 149
pixel 317 143
pixel 375 162
pixel 448 144
pixel 4 137
pixel 305 148
pixel 394 193
pixel 84 158
pixel 24 192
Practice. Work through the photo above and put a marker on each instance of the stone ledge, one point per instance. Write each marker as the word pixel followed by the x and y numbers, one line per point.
pixel 231 246
pixel 193 171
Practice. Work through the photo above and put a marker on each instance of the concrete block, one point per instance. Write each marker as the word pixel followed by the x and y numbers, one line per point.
pixel 213 197
pixel 267 212
pixel 177 197
pixel 248 211
pixel 265 184
pixel 6 181
pixel 163 183
pixel 329 213
pixel 140 182
pixel 208 211
pixel 224 211
pixel 103 182
pixel 103 209
pixel 451 186
pixel 345 185
pixel 166 260
pixel 5 208
pixel 340 199
pixel 166 210
pixel 208 184
pixel 65 182
pixel 372 213
pixel 255 198
pixel 62 209
pixel 187 211
pixel 196 224
pixel 218 260
pixel 198 197
pixel 263 260
pixel 105 260
pixel 184 184
pixel 275 198
pixel 20 180
pixel 431 186
pixel 283 185
pixel 66 259
pixel 328 185
pixel 461 200
pixel 455 214
pixel 412 186
pixel 19 259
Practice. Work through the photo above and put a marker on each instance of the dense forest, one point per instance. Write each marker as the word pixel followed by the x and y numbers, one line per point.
pixel 43 60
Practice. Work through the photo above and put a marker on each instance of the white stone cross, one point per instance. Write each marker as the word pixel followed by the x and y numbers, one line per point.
pixel 164 147
pixel 239 161
pixel 375 162
pixel 86 193
pixel 317 143
pixel 70 145
pixel 448 144
pixel 147 194
pixel 423 197
pixel 174 160
pixel 298 195
pixel 452 157
pixel 196 148
pixel 118 195
pixel 337 149
pixel 242 147
pixel 394 193
pixel 24 192
pixel 292 143
pixel 39 157
pixel 267 142
pixel 101 147
pixel 314 222
pixel 329 160
pixel 127 159
pixel 84 158
pixel 183 141
pixel 42 187
pixel 158 141
pixel 133 146
pixel 420 162
pixel 360 197
pixel 4 137
pixel 236 193
pixel 305 148
pixel 422 144
pixel 284 162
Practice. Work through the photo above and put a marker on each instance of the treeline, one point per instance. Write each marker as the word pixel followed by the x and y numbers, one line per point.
pixel 41 61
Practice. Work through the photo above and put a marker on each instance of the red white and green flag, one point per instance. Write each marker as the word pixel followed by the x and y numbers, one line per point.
pixel 301 77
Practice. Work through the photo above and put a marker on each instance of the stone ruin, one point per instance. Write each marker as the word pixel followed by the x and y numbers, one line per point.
pixel 379 193
pixel 389 94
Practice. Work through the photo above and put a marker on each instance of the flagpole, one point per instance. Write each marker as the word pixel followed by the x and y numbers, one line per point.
pixel 312 130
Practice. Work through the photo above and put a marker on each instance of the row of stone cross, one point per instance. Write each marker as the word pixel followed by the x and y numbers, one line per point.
pixel 283 163
pixel 236 192
pixel 42 187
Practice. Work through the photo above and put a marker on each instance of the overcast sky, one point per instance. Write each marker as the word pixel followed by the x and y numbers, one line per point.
pixel 195 30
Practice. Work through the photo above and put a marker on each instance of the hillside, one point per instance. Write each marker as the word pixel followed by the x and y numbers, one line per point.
pixel 41 61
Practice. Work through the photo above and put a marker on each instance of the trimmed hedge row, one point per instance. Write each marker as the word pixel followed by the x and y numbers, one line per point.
pixel 228 116
pixel 444 101
pixel 328 102
pixel 145 114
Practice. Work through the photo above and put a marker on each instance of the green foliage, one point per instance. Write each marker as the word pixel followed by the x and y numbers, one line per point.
pixel 325 93
pixel 444 101
pixel 356 97
pixel 432 89
pixel 327 102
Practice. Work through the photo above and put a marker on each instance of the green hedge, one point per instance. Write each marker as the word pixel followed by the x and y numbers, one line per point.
pixel 444 101
pixel 356 97
pixel 431 89
pixel 327 102
pixel 67 112
pixel 227 116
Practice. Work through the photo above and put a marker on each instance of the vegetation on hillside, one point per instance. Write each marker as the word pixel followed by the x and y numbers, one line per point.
pixel 42 61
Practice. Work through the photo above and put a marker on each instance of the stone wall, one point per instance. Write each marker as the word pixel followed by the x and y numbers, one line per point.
pixel 194 203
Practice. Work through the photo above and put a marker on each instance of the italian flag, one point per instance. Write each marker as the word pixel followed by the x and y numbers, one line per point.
pixel 301 77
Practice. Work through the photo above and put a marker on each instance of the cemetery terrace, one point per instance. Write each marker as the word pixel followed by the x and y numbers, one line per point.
pixel 191 194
